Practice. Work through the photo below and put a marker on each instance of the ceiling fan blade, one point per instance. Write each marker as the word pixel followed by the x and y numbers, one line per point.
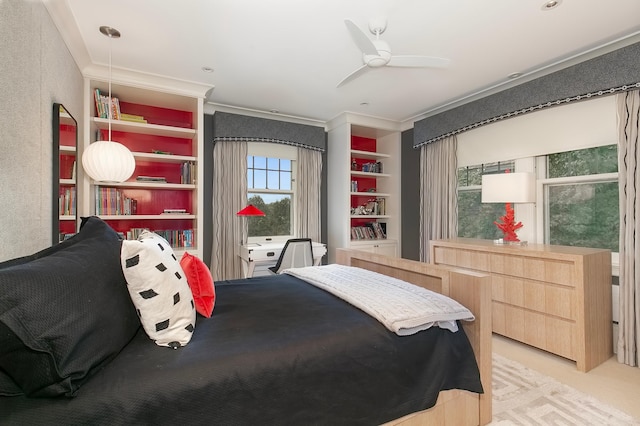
pixel 353 75
pixel 360 38
pixel 415 61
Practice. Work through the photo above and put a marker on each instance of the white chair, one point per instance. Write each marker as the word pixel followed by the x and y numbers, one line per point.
pixel 297 252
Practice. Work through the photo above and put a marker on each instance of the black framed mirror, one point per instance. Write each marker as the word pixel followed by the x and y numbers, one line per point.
pixel 64 181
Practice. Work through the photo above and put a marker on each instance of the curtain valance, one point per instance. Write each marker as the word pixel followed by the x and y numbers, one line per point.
pixel 611 73
pixel 234 127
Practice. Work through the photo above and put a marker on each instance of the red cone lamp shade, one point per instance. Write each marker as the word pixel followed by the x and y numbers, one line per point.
pixel 250 210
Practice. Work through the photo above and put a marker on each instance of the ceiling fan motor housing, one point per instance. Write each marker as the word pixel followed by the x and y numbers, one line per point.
pixel 382 58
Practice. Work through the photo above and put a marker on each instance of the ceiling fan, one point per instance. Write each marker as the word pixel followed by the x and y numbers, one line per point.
pixel 377 53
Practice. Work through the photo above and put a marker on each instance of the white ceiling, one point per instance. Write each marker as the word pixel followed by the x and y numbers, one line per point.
pixel 289 55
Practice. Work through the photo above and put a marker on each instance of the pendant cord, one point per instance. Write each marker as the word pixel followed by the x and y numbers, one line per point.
pixel 110 99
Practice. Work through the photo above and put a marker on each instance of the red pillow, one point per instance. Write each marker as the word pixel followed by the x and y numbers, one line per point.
pixel 201 283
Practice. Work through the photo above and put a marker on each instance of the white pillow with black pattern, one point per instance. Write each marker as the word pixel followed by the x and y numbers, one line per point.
pixel 159 290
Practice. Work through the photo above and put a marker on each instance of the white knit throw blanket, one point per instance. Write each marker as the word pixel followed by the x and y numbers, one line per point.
pixel 402 307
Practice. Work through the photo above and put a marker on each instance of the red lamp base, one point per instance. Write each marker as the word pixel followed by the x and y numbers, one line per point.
pixel 508 225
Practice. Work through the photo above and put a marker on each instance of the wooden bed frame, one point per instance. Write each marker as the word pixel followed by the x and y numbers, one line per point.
pixel 473 290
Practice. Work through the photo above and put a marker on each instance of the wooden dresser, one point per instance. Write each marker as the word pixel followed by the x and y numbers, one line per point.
pixel 556 298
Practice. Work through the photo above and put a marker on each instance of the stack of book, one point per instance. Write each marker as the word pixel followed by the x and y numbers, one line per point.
pixel 378 230
pixel 112 201
pixel 67 201
pixel 154 179
pixel 372 231
pixel 102 105
pixel 131 117
pixel 372 167
pixel 177 238
pixel 102 109
pixel 188 172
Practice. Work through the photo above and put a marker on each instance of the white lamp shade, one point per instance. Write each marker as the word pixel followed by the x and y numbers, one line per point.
pixel 108 161
pixel 508 188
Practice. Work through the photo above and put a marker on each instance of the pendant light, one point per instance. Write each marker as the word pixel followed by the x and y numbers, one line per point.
pixel 108 161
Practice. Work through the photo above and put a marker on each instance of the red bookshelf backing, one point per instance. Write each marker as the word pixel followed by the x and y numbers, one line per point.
pixel 139 142
pixel 158 115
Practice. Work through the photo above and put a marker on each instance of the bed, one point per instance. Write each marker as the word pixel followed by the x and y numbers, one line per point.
pixel 274 353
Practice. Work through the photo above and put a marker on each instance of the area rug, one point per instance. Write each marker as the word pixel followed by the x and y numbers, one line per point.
pixel 524 397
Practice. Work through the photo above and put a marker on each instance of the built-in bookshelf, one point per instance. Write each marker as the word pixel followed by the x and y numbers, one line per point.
pixel 65 183
pixel 368 205
pixel 163 130
pixel 364 178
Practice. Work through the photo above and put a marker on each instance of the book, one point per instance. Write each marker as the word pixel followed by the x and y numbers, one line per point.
pixel 174 211
pixel 98 99
pixel 132 117
pixel 151 179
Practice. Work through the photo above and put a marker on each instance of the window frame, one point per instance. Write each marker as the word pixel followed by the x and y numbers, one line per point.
pixel 280 151
pixel 542 206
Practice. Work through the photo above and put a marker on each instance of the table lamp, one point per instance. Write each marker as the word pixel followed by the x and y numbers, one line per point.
pixel 508 188
pixel 250 210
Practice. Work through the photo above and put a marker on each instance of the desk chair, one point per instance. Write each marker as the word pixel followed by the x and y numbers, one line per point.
pixel 297 252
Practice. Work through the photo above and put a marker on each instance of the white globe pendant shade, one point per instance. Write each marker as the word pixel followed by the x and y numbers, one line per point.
pixel 108 161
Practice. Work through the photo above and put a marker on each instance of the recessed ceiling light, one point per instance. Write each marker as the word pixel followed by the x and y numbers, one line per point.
pixel 275 111
pixel 551 4
pixel 515 75
pixel 364 103
pixel 207 69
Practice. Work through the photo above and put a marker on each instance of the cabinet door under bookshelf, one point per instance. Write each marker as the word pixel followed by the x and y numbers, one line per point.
pixel 64 192
pixel 164 133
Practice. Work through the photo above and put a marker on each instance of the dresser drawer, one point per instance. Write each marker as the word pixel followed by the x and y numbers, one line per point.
pixel 469 259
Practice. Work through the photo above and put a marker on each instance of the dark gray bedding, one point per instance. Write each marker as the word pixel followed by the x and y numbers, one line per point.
pixel 277 351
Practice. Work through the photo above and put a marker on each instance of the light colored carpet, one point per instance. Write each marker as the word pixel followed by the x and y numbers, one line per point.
pixel 525 397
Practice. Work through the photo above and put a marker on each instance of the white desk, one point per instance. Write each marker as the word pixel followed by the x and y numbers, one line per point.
pixel 265 255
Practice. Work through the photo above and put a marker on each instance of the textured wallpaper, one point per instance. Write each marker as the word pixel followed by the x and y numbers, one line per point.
pixel 36 69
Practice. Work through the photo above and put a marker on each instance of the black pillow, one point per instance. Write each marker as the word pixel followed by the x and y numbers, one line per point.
pixel 64 312
pixel 8 387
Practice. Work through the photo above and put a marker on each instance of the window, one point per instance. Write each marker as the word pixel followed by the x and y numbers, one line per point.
pixel 475 219
pixel 581 198
pixel 271 188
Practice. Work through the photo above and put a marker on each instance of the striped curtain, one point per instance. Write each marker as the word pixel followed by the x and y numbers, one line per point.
pixel 439 192
pixel 229 197
pixel 629 182
pixel 309 178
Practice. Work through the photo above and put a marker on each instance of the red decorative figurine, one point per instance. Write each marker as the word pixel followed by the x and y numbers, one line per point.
pixel 508 225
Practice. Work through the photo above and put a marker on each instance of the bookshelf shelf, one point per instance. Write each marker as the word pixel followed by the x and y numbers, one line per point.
pixel 163 158
pixel 370 216
pixel 371 155
pixel 147 216
pixel 371 194
pixel 370 174
pixel 151 185
pixel 144 128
